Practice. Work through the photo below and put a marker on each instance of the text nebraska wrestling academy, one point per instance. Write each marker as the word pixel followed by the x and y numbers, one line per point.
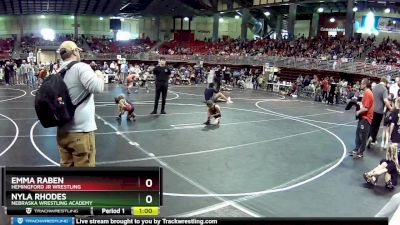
pixel 45 199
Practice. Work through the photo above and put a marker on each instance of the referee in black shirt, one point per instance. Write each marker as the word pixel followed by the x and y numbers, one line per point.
pixel 162 74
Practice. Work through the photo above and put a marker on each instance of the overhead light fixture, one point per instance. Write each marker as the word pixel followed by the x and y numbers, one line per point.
pixel 123 7
pixel 101 18
pixel 221 20
pixel 237 17
pixel 186 18
pixel 122 19
pixel 394 21
pixel 332 20
pixel 123 36
pixel 267 13
pixel 48 34
pixel 320 9
pixel 387 10
pixel 355 9
pixel 42 16
pixel 221 12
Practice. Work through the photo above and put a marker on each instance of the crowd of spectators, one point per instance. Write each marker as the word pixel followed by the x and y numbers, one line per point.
pixel 6 45
pixel 319 47
pixel 107 45
pixel 30 42
pixel 387 52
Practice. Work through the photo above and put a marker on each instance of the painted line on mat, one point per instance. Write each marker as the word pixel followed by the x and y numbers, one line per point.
pixel 197 185
pixel 279 189
pixel 15 137
pixel 33 91
pixel 16 89
pixel 214 150
pixel 245 198
pixel 334 111
pixel 37 148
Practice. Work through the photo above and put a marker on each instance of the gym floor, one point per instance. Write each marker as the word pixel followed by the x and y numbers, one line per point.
pixel 270 156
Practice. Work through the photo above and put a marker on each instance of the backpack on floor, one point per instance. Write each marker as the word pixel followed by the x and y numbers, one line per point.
pixel 53 103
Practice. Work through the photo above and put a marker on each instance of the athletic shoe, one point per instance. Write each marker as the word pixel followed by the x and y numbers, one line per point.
pixel 163 112
pixel 358 156
pixel 389 185
pixel 154 112
pixel 354 152
pixel 207 123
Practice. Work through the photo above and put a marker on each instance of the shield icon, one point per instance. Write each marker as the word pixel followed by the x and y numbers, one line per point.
pixel 28 211
pixel 20 220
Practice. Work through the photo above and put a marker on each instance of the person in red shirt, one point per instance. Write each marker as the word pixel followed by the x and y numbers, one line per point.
pixel 325 87
pixel 365 115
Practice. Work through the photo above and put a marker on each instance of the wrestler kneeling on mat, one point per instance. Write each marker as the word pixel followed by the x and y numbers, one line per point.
pixel 211 94
pixel 214 113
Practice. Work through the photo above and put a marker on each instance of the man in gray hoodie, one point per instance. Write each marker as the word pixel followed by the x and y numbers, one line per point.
pixel 76 139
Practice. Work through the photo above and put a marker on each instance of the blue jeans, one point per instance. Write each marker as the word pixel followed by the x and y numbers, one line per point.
pixel 30 79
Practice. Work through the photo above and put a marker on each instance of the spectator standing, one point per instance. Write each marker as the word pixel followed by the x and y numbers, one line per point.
pixel 380 101
pixel 76 139
pixel 7 73
pixel 105 66
pixel 365 115
pixel 325 87
pixel 124 72
pixel 24 72
pixel 394 88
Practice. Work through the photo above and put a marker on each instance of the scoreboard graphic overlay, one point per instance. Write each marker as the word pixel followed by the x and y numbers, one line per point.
pixel 133 191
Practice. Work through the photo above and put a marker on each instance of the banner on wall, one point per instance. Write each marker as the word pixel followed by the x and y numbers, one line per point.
pixel 387 24
pixel 376 24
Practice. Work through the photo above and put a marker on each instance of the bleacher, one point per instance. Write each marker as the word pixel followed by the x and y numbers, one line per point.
pixel 106 45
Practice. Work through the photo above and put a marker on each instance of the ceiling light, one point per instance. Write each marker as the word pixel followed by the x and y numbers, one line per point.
pixel 122 19
pixel 267 13
pixel 387 10
pixel 221 20
pixel 320 9
pixel 355 9
pixel 237 17
pixel 72 17
pixel 101 18
pixel 186 18
pixel 332 20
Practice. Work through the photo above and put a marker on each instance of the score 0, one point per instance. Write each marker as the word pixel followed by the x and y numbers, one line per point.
pixel 148 184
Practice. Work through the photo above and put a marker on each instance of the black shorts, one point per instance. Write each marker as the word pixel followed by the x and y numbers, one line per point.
pixel 386 121
pixel 392 170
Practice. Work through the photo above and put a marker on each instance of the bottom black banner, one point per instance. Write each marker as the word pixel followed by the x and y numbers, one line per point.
pixel 244 221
